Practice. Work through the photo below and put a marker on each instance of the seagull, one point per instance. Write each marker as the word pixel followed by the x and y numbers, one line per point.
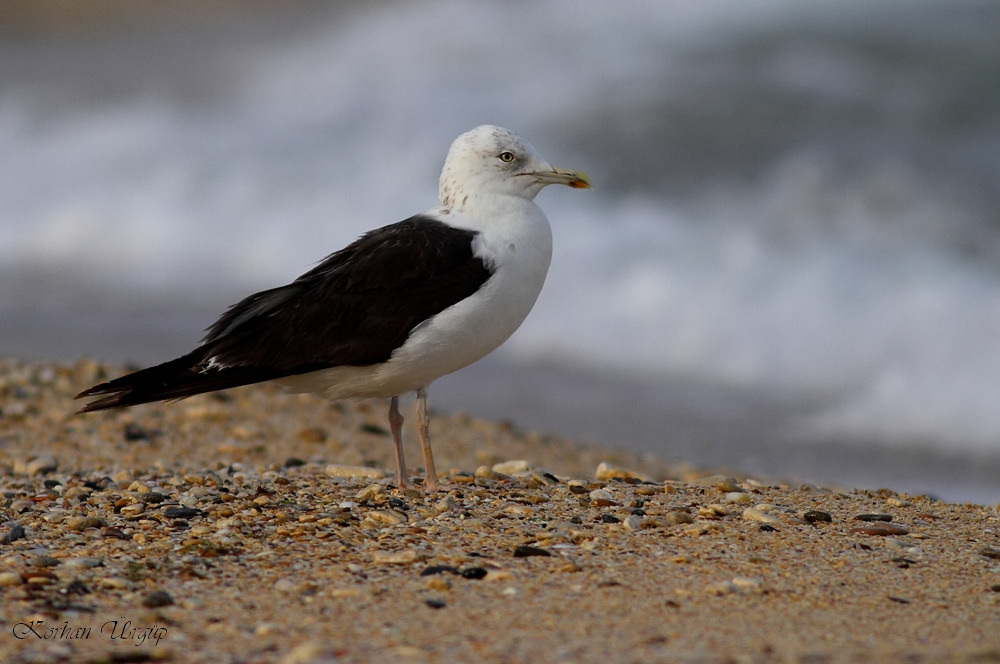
pixel 398 308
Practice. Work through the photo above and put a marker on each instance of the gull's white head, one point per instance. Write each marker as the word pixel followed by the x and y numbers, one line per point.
pixel 492 161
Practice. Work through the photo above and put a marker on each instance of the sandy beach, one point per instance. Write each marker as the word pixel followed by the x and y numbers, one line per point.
pixel 257 526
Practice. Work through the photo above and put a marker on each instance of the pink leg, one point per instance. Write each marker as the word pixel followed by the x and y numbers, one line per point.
pixel 423 426
pixel 396 426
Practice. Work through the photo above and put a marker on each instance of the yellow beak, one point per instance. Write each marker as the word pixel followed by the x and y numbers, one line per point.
pixel 574 179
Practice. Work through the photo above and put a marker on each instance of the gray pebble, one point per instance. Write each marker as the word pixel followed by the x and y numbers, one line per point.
pixel 21 506
pixel 16 532
pixel 600 497
pixel 157 598
pixel 633 522
pixel 677 517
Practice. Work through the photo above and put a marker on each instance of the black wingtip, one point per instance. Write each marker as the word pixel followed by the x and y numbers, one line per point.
pixel 156 383
pixel 111 401
pixel 169 381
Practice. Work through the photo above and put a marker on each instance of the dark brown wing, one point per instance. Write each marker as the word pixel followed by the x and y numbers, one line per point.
pixel 354 308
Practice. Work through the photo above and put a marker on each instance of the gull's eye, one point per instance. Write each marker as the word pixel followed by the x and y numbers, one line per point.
pixel 506 156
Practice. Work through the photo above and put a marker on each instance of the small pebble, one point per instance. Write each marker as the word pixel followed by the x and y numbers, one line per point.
pixel 608 471
pixel 739 584
pixel 881 528
pixel 15 533
pixel 40 578
pixel 340 470
pixel 720 482
pixel 474 573
pixel 284 585
pixel 873 517
pixel 633 522
pixel 134 433
pixel 758 514
pixel 82 523
pixel 77 492
pixel 122 477
pixel 405 557
pixel 182 512
pixel 371 494
pixel 83 562
pixel 387 517
pixel 10 579
pixel 448 504
pixel 676 517
pixel 21 506
pixel 713 510
pixel 265 629
pixel 157 598
pixel 903 544
pixel 519 510
pixel 545 479
pixel 310 652
pixel 817 516
pixel 602 498
pixel 737 497
pixel 438 583
pixel 41 465
pixel 747 583
pixel 135 509
pixel 525 551
pixel 438 569
pixel 511 467
pixel 721 588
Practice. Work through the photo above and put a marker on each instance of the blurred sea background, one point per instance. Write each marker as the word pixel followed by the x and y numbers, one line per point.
pixel 790 264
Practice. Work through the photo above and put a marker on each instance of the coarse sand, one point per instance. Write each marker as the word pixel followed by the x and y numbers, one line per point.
pixel 258 526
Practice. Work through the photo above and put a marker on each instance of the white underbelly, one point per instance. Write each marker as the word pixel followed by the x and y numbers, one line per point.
pixel 451 340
